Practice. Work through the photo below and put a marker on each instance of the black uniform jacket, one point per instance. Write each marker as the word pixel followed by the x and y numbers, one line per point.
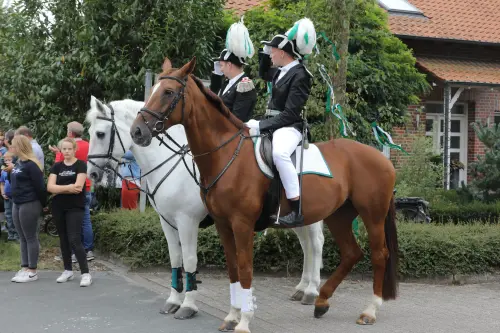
pixel 289 95
pixel 241 104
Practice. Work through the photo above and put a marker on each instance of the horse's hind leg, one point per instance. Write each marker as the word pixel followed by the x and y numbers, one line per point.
pixel 340 225
pixel 188 233
pixel 311 240
pixel 382 235
pixel 173 302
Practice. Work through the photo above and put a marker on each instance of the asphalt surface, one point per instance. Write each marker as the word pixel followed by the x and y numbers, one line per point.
pixel 110 304
pixel 120 301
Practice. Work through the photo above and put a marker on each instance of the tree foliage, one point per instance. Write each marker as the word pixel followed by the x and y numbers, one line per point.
pixel 381 76
pixel 51 66
pixel 485 171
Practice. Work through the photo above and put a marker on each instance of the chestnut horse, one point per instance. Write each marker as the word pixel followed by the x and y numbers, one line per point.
pixel 233 188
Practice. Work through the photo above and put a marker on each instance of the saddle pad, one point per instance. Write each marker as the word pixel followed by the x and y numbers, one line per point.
pixel 314 162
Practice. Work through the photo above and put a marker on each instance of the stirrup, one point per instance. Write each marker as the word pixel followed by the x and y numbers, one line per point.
pixel 293 219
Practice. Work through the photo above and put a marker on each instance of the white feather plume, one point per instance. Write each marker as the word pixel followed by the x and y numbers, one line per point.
pixel 304 34
pixel 238 40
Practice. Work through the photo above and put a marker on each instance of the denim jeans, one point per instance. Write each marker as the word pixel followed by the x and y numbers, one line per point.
pixel 87 233
pixel 11 229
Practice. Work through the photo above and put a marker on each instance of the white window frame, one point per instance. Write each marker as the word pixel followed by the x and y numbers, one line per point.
pixel 463 133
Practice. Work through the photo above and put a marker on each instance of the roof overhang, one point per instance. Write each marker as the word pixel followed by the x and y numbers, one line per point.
pixel 461 72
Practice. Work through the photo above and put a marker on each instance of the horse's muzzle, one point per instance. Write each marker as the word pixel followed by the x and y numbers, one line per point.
pixel 141 135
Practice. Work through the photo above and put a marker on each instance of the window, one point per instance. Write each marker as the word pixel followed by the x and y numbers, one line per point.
pixel 497 117
pixel 399 6
pixel 439 108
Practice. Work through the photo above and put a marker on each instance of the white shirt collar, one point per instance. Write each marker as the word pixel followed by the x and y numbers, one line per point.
pixel 232 82
pixel 285 69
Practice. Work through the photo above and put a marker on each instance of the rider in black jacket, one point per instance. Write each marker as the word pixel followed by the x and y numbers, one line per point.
pixel 237 90
pixel 290 92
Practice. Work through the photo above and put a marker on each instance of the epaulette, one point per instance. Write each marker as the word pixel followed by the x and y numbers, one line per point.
pixel 245 85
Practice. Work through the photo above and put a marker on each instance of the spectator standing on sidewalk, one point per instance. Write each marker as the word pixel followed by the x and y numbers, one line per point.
pixel 37 150
pixel 29 196
pixel 7 198
pixel 75 131
pixel 67 183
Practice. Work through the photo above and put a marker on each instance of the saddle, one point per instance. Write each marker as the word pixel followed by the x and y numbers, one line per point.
pixel 273 195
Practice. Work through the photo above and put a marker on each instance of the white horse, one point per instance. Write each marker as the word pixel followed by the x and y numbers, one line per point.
pixel 179 202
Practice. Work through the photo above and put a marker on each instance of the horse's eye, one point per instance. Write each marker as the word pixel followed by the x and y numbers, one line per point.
pixel 100 135
pixel 168 92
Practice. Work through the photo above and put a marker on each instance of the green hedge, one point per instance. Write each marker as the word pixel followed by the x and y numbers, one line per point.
pixel 469 212
pixel 426 250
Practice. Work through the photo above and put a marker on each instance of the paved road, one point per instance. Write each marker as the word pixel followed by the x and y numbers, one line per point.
pixel 124 303
pixel 421 308
pixel 111 304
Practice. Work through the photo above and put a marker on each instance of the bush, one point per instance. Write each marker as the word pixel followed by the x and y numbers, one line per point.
pixel 426 250
pixel 466 213
pixel 418 175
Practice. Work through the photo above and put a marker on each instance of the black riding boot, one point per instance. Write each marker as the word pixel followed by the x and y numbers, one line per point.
pixel 292 219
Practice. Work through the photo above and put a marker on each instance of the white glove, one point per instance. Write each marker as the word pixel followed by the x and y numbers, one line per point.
pixel 217 68
pixel 252 123
pixel 267 50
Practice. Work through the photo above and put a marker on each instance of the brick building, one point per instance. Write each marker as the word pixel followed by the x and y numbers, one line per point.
pixel 457 43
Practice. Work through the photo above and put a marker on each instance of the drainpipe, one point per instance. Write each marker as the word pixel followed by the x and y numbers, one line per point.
pixel 446 139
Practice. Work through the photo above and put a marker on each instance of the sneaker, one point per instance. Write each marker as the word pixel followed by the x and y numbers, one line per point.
pixel 90 256
pixel 27 277
pixel 18 274
pixel 86 280
pixel 73 259
pixel 65 277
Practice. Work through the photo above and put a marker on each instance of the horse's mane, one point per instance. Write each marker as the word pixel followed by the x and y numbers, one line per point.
pixel 218 103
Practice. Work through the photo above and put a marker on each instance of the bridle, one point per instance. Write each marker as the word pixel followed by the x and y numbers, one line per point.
pixel 181 153
pixel 160 117
pixel 159 127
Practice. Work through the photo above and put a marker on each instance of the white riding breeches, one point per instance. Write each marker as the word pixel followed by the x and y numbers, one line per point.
pixel 285 142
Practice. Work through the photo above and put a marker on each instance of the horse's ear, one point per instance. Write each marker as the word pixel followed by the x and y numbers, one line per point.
pixel 189 67
pixel 95 103
pixel 167 65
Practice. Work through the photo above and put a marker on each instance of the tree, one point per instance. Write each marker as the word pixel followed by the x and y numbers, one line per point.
pixel 485 171
pixel 381 76
pixel 339 30
pixel 50 68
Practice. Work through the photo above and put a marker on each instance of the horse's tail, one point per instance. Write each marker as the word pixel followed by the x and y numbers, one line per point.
pixel 390 288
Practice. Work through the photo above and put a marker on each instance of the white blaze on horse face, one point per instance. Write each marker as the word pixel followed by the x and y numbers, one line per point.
pixel 155 88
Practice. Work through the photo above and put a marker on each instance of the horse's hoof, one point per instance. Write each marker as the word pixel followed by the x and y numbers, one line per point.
pixel 169 308
pixel 365 320
pixel 319 311
pixel 185 313
pixel 308 299
pixel 228 326
pixel 299 294
pixel 239 330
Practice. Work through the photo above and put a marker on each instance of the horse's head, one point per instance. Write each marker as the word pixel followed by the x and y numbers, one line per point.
pixel 166 105
pixel 109 137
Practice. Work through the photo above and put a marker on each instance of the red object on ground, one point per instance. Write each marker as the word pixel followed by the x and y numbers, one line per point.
pixel 130 194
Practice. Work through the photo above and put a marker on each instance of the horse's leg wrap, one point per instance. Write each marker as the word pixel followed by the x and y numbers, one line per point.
pixel 191 282
pixel 177 279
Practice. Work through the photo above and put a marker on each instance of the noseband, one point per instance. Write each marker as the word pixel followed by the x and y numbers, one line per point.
pixel 114 130
pixel 160 117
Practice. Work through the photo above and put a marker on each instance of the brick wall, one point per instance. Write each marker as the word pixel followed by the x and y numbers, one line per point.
pixel 486 102
pixel 482 103
pixel 405 135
